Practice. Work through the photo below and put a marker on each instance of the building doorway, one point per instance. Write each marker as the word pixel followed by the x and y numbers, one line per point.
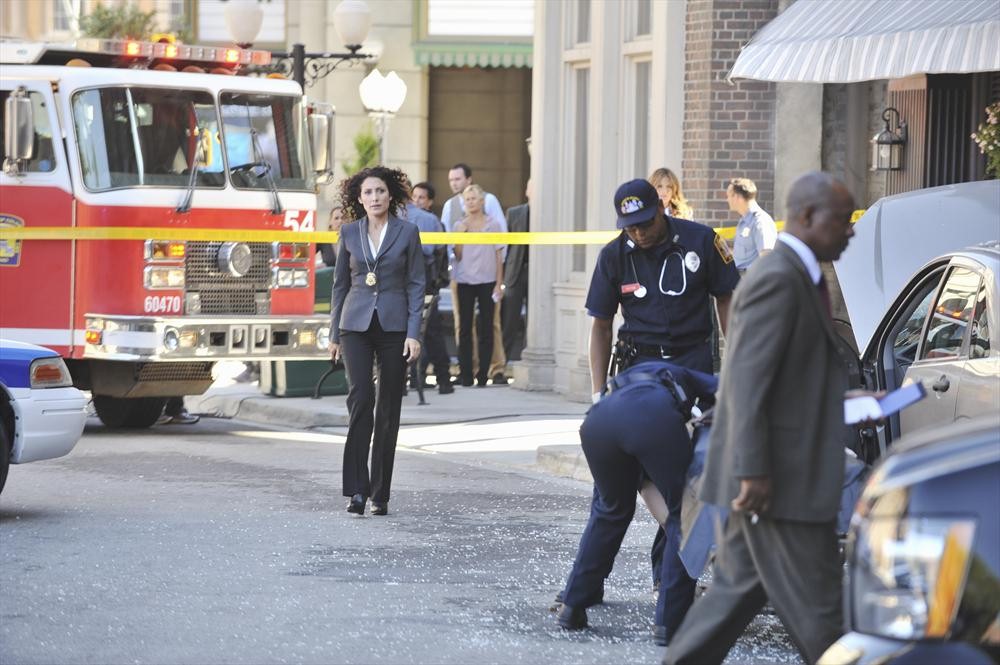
pixel 480 116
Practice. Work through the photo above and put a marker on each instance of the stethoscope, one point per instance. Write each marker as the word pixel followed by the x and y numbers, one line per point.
pixel 641 291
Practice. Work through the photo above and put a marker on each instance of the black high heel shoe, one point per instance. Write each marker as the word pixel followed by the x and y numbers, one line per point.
pixel 380 508
pixel 357 504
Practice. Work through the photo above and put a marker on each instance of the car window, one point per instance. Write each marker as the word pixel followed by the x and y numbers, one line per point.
pixel 952 313
pixel 906 341
pixel 979 336
pixel 43 157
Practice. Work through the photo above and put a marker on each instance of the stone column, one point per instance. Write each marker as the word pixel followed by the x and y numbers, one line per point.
pixel 798 139
pixel 536 369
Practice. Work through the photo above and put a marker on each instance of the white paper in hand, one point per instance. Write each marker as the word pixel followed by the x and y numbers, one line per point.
pixel 857 409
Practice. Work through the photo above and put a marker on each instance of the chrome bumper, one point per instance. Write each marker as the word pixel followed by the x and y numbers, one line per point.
pixel 206 338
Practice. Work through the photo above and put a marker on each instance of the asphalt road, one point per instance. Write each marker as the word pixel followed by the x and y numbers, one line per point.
pixel 228 543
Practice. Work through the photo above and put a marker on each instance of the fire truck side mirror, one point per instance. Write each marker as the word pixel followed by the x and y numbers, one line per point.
pixel 18 127
pixel 319 133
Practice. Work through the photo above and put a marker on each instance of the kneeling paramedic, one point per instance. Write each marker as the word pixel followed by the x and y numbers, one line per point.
pixel 637 428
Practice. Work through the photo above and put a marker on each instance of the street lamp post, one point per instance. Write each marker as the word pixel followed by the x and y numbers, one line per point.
pixel 382 96
pixel 351 18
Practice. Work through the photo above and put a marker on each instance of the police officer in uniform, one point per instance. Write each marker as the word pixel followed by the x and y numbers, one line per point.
pixel 661 272
pixel 639 427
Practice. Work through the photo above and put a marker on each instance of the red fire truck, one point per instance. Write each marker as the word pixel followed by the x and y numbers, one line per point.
pixel 183 172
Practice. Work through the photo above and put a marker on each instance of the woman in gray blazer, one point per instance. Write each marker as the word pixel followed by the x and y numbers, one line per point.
pixel 377 302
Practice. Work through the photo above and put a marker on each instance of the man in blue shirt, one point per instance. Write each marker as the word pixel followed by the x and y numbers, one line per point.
pixel 435 352
pixel 756 232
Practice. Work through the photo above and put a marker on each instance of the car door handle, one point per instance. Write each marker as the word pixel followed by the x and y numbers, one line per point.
pixel 941 385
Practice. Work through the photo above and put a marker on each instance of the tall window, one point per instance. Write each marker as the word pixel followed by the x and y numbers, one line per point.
pixel 642 118
pixel 62 15
pixel 172 13
pixel 582 28
pixel 581 126
pixel 643 17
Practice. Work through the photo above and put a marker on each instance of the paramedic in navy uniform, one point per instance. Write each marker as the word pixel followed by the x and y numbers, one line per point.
pixel 661 271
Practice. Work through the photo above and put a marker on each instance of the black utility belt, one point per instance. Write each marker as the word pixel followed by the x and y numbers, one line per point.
pixel 660 351
pixel 664 378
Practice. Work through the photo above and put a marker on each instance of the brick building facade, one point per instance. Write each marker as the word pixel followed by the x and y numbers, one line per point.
pixel 728 127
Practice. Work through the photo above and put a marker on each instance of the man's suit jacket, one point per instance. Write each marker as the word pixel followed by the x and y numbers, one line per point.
pixel 780 411
pixel 398 294
pixel 517 255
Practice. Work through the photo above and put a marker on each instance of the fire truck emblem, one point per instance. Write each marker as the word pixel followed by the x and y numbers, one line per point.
pixel 10 250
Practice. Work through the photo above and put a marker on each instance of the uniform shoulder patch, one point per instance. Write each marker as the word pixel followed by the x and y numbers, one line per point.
pixel 722 247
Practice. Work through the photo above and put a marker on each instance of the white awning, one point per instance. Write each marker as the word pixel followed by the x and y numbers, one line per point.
pixel 842 41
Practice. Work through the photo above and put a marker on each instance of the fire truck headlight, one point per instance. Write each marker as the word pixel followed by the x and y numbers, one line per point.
pixel 171 339
pixel 164 278
pixel 189 339
pixel 323 339
pixel 282 278
pixel 165 250
pixel 300 278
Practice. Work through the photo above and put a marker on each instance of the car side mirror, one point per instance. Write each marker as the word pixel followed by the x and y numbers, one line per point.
pixel 18 130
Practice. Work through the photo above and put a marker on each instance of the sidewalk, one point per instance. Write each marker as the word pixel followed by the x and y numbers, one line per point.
pixel 244 401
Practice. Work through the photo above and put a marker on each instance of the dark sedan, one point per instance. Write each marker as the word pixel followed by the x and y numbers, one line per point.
pixel 924 552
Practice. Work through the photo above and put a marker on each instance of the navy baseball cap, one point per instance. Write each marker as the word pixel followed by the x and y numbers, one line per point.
pixel 636 202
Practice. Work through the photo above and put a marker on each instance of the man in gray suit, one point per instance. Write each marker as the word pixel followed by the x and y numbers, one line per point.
pixel 776 449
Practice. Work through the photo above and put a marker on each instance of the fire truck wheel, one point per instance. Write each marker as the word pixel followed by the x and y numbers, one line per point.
pixel 128 412
pixel 5 443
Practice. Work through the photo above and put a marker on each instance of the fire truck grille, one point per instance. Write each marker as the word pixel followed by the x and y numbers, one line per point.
pixel 219 291
pixel 159 372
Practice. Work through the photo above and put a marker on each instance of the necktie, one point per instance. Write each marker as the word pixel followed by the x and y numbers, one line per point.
pixel 824 294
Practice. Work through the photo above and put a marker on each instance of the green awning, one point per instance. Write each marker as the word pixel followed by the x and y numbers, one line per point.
pixel 472 54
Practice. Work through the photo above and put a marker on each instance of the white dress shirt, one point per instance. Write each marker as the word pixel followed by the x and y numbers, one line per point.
pixel 805 254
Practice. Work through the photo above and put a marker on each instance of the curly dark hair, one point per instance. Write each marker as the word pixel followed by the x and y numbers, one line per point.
pixel 394 179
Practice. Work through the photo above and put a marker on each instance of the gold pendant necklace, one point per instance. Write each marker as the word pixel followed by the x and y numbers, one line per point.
pixel 370 278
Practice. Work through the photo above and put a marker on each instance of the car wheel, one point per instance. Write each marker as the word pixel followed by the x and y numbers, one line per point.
pixel 5 446
pixel 128 412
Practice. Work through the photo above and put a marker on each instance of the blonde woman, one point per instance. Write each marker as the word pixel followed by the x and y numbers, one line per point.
pixel 668 187
pixel 479 276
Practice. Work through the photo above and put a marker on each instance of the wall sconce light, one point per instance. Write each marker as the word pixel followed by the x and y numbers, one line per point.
pixel 887 145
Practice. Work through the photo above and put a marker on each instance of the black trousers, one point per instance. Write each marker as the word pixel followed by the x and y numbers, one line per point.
pixel 512 323
pixel 655 443
pixel 434 352
pixel 372 354
pixel 699 358
pixel 468 296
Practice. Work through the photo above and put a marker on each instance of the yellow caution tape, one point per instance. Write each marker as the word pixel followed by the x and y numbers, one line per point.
pixel 246 235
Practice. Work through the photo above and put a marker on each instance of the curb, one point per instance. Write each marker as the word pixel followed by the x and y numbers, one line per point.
pixel 565 461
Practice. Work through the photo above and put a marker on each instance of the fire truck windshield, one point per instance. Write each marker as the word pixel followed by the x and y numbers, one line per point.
pixel 264 140
pixel 134 136
pixel 146 136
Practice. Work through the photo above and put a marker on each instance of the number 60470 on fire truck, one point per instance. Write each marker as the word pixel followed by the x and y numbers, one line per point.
pixel 107 139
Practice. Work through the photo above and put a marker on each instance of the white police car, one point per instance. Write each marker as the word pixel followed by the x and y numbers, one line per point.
pixel 41 413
